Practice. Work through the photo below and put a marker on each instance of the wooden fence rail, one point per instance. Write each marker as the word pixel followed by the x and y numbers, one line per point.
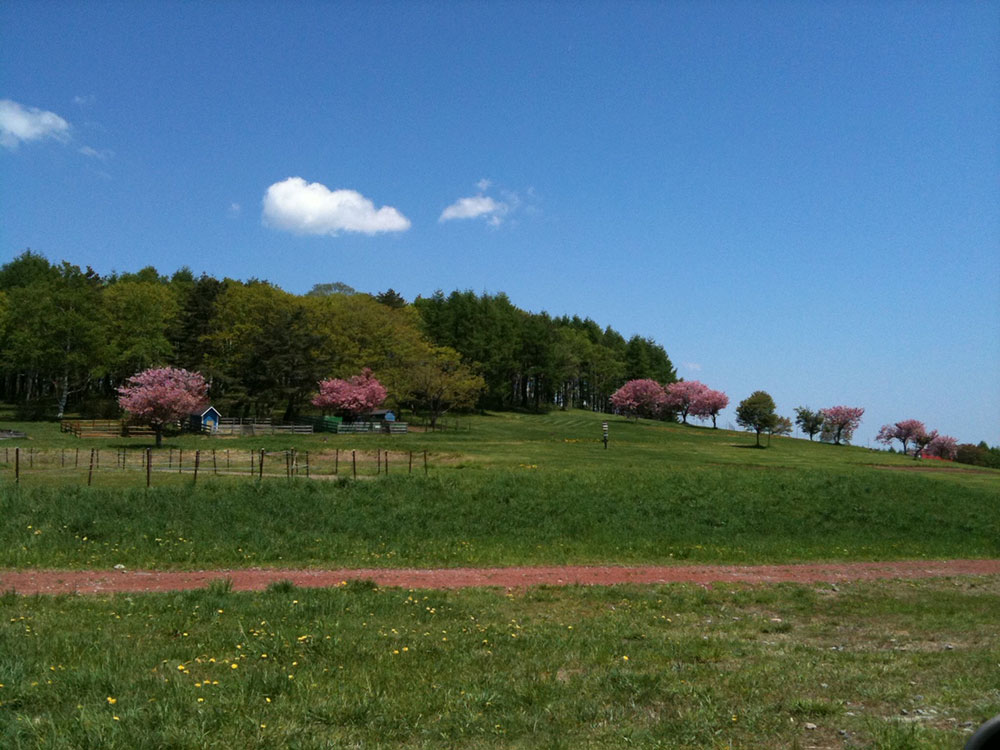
pixel 171 464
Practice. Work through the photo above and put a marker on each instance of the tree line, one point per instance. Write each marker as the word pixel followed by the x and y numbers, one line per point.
pixel 70 338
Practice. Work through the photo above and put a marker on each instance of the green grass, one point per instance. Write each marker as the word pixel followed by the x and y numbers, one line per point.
pixel 888 665
pixel 515 489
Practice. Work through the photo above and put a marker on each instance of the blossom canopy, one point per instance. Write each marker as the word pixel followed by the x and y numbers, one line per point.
pixel 162 395
pixel 640 398
pixel 356 396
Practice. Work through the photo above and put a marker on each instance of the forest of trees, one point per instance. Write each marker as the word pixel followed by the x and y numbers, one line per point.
pixel 70 337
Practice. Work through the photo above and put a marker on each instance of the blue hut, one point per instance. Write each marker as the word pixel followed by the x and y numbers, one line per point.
pixel 206 421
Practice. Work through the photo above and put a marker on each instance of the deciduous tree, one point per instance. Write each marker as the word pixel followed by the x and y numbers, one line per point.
pixel 906 432
pixel 440 382
pixel 684 396
pixel 359 395
pixel 640 398
pixel 810 422
pixel 943 446
pixel 840 422
pixel 163 395
pixel 756 412
pixel 709 404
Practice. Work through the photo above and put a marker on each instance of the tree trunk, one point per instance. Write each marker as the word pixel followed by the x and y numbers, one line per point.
pixel 63 394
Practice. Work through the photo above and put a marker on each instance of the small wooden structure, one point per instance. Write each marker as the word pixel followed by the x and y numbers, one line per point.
pixel 206 421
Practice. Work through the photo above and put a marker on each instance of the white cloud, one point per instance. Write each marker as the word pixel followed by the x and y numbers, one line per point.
pixel 235 209
pixel 693 366
pixel 103 154
pixel 474 207
pixel 311 208
pixel 19 124
pixel 484 185
pixel 86 100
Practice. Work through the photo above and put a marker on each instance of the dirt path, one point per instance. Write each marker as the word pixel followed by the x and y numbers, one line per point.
pixel 255 579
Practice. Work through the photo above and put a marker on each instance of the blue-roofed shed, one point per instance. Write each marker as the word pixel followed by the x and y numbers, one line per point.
pixel 206 421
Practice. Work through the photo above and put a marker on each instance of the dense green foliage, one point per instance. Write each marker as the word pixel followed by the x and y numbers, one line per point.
pixel 70 337
pixel 361 666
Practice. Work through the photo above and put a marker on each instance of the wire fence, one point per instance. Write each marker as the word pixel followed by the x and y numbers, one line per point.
pixel 152 466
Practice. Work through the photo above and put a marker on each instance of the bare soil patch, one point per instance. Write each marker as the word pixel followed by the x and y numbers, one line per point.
pixel 256 579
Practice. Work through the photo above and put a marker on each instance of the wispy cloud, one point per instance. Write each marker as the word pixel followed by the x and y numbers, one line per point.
pixel 84 100
pixel 494 211
pixel 19 124
pixel 474 207
pixel 103 154
pixel 693 366
pixel 301 207
pixel 235 209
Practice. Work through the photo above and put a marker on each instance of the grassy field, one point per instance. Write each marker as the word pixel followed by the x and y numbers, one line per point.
pixel 892 665
pixel 512 489
pixel 889 665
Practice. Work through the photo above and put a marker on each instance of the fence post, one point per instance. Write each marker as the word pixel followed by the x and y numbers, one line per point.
pixel 378 469
pixel 62 458
pixel 90 474
pixel 180 460
pixel 17 466
pixel 411 462
pixel 149 466
pixel 251 463
pixel 76 461
pixel 31 458
pixel 354 464
pixel 197 461
pixel 425 463
pixel 260 466
pixel 336 461
pixel 307 464
pixel 98 452
pixel 227 459
pixel 215 465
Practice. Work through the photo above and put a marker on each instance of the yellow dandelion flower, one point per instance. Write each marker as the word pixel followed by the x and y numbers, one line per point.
pixel 112 701
pixel 234 665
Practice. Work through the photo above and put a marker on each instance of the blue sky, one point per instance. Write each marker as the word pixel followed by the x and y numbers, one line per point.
pixel 795 197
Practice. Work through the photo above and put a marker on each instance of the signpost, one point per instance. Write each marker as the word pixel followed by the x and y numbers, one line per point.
pixel 604 427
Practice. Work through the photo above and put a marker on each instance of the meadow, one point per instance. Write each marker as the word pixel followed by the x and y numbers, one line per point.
pixel 506 489
pixel 889 665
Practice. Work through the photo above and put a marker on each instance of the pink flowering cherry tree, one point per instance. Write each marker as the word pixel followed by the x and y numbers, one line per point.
pixel 840 422
pixel 163 395
pixel 639 398
pixel 942 446
pixel 709 404
pixel 359 395
pixel 906 432
pixel 685 395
